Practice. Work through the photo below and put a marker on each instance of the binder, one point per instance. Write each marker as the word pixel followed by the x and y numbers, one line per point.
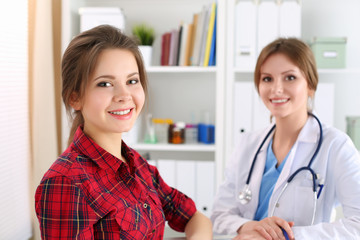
pixel 205 186
pixel 185 177
pixel 324 102
pixel 268 24
pixel 242 108
pixel 245 35
pixel 290 19
pixel 167 170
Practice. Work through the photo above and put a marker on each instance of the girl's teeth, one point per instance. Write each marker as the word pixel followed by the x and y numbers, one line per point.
pixel 279 101
pixel 121 112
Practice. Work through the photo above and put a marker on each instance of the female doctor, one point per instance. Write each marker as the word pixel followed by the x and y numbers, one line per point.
pixel 285 181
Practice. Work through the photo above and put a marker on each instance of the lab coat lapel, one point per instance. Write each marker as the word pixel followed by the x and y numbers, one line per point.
pixel 308 134
pixel 258 170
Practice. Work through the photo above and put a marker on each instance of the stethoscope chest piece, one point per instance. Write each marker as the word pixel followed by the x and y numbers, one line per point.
pixel 245 195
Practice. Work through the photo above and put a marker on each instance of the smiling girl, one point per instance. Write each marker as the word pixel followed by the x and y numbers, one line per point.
pixel 100 188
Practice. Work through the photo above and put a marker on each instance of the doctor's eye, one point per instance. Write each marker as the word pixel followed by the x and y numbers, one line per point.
pixel 266 79
pixel 104 84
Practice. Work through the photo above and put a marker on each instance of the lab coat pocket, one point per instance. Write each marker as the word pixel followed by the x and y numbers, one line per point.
pixel 304 205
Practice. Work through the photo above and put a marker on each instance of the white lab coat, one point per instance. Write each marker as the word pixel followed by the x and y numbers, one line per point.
pixel 337 163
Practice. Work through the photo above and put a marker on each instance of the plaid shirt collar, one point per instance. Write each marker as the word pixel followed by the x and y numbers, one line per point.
pixel 100 156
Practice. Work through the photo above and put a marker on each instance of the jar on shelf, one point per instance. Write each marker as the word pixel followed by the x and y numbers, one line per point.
pixel 191 133
pixel 177 133
pixel 161 126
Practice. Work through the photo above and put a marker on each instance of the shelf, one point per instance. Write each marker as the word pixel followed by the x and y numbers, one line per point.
pixel 179 69
pixel 174 147
pixel 339 71
pixel 320 71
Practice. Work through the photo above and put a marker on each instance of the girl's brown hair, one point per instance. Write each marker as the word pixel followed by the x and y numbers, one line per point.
pixel 299 54
pixel 79 61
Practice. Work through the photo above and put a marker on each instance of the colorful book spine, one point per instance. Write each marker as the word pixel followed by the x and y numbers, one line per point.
pixel 209 34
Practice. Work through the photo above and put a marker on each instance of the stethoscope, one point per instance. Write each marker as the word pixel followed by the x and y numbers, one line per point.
pixel 245 194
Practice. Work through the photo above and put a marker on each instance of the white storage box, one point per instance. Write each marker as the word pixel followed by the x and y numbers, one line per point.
pixel 94 16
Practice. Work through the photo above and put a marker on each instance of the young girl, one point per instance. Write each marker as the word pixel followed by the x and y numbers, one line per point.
pixel 257 199
pixel 99 188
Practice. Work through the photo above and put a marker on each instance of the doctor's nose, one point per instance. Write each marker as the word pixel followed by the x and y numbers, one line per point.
pixel 277 87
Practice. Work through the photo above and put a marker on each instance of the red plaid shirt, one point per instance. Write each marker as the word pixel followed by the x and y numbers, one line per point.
pixel 90 194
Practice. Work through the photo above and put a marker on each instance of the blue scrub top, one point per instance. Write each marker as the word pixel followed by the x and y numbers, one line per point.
pixel 270 176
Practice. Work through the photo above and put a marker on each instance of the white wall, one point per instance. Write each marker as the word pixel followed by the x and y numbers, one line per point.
pixel 335 18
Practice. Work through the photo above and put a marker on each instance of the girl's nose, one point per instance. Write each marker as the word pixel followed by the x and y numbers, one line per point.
pixel 121 94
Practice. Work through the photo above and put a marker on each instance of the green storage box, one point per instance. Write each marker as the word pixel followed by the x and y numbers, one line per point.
pixel 329 52
pixel 353 129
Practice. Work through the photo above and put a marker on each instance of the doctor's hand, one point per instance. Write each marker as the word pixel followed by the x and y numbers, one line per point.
pixel 270 228
pixel 249 235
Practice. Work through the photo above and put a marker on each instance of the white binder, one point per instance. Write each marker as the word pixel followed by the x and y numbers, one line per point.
pixel 185 177
pixel 268 24
pixel 205 185
pixel 245 35
pixel 290 19
pixel 324 103
pixel 242 108
pixel 167 171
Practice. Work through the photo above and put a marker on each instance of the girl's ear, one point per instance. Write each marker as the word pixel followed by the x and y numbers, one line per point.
pixel 75 102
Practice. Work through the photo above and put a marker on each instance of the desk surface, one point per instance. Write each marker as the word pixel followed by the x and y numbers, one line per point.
pixel 214 238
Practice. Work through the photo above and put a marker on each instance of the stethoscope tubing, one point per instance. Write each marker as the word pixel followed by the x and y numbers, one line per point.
pixel 300 169
pixel 245 197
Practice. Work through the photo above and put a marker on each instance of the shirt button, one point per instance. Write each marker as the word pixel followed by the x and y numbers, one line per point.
pixel 277 205
pixel 145 205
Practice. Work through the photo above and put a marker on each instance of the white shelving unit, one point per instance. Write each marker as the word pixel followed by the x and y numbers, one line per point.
pixel 334 21
pixel 179 93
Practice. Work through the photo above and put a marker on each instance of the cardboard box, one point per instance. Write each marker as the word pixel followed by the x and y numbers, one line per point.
pixel 94 16
pixel 330 52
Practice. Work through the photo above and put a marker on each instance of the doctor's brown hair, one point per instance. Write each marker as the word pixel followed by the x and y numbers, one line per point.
pixel 79 61
pixel 298 52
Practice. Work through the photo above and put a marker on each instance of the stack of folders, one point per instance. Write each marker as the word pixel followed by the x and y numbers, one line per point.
pixel 192 44
pixel 257 24
pixel 196 179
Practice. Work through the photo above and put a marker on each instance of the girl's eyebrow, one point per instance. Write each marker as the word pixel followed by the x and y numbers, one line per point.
pixel 132 74
pixel 104 76
pixel 112 77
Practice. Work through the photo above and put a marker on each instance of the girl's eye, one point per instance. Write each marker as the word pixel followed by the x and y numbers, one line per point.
pixel 290 78
pixel 266 79
pixel 104 84
pixel 133 81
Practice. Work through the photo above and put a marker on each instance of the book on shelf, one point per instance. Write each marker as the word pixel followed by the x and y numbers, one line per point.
pixel 192 44
pixel 212 57
pixel 193 37
pixel 179 43
pixel 204 36
pixel 182 45
pixel 199 31
pixel 165 48
pixel 188 44
pixel 173 47
pixel 209 35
